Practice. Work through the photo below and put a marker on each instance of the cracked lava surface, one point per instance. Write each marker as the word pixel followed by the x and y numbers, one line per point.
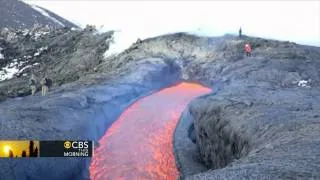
pixel 139 144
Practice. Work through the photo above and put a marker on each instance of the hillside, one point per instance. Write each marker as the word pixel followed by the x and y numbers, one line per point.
pixel 19 15
pixel 261 122
pixel 64 55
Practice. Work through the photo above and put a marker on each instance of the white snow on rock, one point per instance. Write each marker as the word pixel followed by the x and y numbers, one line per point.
pixel 14 68
pixel 27 57
pixel 26 67
pixel 8 73
pixel 1 55
pixel 304 83
pixel 43 12
pixel 37 35
pixel 25 32
pixel 36 54
pixel 40 50
pixel 75 29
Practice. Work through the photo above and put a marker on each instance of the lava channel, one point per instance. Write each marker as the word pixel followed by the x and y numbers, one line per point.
pixel 139 145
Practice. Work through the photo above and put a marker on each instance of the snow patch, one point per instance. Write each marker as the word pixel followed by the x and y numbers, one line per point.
pixel 13 69
pixel 75 29
pixel 24 68
pixel 1 55
pixel 43 12
pixel 27 57
pixel 8 73
pixel 304 83
pixel 25 32
pixel 37 35
pixel 40 50
pixel 36 54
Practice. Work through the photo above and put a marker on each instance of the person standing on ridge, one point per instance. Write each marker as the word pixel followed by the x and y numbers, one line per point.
pixel 240 33
pixel 45 84
pixel 247 49
pixel 33 84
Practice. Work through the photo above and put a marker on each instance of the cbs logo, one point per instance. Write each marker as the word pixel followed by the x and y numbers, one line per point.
pixel 76 145
pixel 67 144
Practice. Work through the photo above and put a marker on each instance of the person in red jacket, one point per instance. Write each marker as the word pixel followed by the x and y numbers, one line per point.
pixel 247 49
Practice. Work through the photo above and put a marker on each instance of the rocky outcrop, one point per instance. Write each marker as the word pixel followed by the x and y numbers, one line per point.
pixel 216 136
pixel 65 55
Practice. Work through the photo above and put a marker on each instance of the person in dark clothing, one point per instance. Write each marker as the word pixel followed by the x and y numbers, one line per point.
pixel 45 84
pixel 240 33
pixel 33 84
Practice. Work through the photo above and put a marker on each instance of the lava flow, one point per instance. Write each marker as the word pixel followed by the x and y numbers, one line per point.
pixel 139 145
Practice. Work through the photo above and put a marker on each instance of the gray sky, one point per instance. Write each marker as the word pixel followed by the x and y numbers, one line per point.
pixel 296 20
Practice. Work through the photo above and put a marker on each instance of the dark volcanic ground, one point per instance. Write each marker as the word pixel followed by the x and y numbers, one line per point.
pixel 74 112
pixel 260 123
pixel 252 129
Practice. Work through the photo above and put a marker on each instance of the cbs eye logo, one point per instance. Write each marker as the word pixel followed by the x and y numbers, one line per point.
pixel 67 144
pixel 76 145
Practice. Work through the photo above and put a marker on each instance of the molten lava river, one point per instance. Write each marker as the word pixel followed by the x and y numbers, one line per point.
pixel 139 145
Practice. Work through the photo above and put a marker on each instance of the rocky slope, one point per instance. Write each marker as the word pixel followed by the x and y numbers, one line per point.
pixel 19 15
pixel 261 122
pixel 75 112
pixel 64 55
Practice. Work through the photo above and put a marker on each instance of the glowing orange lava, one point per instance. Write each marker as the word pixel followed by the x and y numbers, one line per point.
pixel 139 145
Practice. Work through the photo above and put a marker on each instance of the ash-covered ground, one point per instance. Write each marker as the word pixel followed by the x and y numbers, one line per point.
pixel 261 122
